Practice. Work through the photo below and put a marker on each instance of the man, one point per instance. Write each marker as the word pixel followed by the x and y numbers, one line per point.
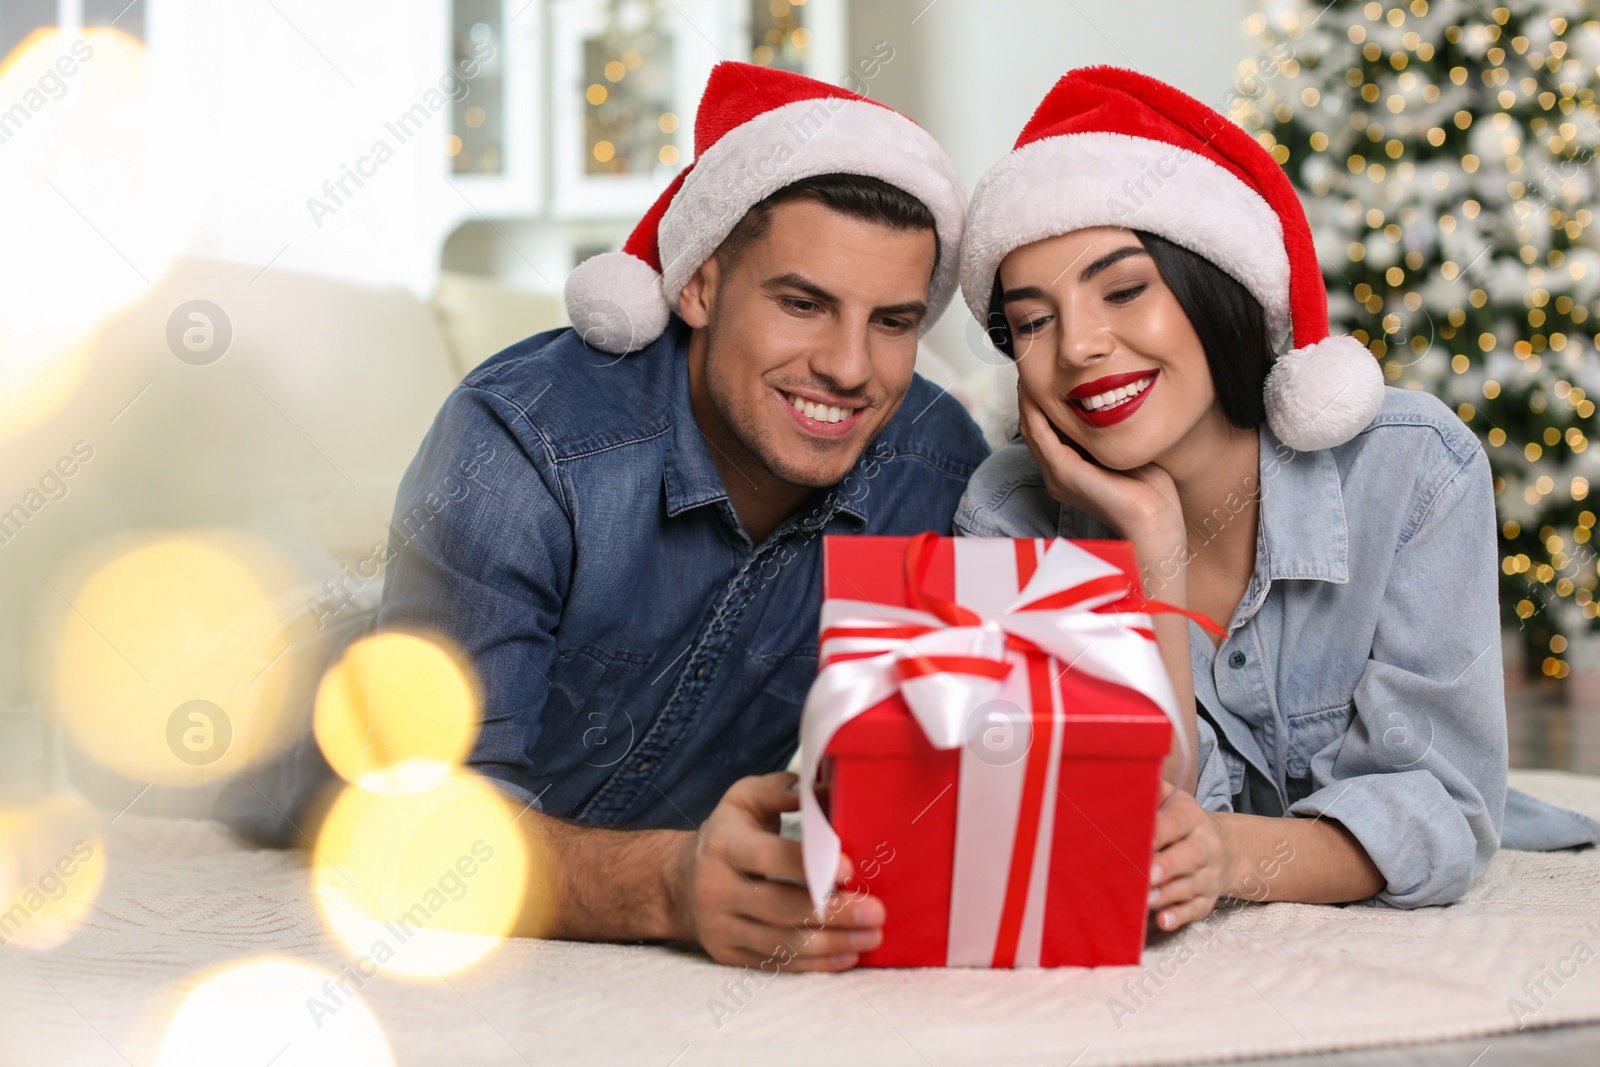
pixel 634 565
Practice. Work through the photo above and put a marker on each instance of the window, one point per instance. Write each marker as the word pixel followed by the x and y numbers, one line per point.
pixel 779 36
pixel 21 18
pixel 477 120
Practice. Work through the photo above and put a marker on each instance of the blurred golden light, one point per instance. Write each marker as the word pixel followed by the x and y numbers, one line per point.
pixel 52 862
pixel 396 713
pixel 596 94
pixel 168 658
pixel 423 884
pixel 668 155
pixel 604 151
pixel 100 203
pixel 452 145
pixel 616 70
pixel 261 1009
pixel 668 122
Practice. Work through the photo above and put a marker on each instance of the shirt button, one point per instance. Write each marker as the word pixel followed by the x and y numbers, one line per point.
pixel 1236 660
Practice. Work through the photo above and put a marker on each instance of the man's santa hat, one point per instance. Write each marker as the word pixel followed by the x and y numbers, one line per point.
pixel 758 129
pixel 1112 147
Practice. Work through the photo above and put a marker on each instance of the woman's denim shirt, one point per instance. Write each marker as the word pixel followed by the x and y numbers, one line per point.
pixel 1361 675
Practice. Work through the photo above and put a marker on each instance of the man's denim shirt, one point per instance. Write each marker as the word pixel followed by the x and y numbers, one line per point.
pixel 1361 674
pixel 565 526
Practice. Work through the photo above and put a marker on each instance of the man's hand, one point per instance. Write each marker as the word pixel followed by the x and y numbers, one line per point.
pixel 1189 871
pixel 730 905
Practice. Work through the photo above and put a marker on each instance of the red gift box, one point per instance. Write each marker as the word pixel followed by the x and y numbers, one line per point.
pixel 985 738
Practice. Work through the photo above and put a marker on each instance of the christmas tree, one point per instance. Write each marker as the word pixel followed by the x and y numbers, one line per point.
pixel 1446 154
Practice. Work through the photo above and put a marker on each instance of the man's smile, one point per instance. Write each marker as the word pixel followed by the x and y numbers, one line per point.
pixel 821 415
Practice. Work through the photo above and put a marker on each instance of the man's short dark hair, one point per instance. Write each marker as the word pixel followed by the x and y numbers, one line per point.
pixel 855 195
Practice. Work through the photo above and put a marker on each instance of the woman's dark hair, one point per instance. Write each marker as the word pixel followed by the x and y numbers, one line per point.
pixel 1228 320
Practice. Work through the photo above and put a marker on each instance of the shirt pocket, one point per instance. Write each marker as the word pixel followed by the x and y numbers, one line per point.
pixel 763 733
pixel 595 713
pixel 1312 731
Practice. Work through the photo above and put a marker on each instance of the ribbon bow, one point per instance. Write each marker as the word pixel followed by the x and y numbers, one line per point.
pixel 946 659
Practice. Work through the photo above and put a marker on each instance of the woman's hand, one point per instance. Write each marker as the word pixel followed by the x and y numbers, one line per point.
pixel 1142 505
pixel 1190 868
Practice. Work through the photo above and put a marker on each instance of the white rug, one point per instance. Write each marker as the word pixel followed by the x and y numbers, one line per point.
pixel 1280 979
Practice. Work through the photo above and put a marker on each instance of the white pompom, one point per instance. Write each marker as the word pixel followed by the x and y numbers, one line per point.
pixel 1324 394
pixel 614 301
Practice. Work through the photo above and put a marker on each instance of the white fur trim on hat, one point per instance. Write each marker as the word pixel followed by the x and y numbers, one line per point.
pixel 614 302
pixel 1324 394
pixel 831 135
pixel 1061 184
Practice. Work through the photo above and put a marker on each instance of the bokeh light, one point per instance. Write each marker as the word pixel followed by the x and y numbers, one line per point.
pixel 52 863
pixel 168 656
pixel 397 712
pixel 426 883
pixel 95 178
pixel 274 1010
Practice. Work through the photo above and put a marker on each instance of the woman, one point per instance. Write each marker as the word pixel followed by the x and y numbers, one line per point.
pixel 1141 258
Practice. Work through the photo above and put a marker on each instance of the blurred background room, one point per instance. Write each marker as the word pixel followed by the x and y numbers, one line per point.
pixel 250 246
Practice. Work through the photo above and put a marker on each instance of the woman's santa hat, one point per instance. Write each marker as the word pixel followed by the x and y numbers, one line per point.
pixel 1111 147
pixel 758 129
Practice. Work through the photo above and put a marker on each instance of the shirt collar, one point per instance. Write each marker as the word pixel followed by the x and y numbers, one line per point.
pixel 691 474
pixel 1303 533
pixel 692 478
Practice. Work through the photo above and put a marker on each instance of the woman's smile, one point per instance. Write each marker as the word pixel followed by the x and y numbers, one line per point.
pixel 1109 400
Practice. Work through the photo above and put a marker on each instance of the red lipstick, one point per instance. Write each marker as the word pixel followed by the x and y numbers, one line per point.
pixel 1110 416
